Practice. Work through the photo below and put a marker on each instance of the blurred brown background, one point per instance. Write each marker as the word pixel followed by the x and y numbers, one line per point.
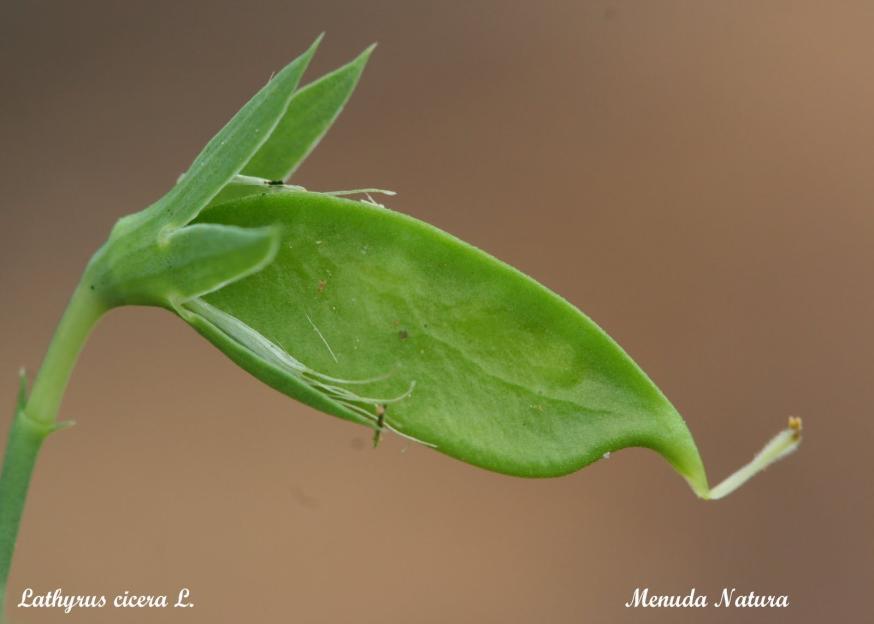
pixel 699 179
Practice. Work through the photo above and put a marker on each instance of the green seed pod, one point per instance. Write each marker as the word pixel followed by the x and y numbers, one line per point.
pixel 378 318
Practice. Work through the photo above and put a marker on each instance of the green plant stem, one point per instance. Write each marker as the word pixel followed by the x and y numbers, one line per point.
pixel 36 418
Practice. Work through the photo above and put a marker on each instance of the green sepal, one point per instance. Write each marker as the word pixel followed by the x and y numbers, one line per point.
pixel 146 259
pixel 235 339
pixel 228 151
pixel 205 257
pixel 310 114
pixel 191 262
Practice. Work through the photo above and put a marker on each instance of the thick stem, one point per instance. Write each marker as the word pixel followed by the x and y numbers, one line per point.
pixel 25 440
pixel 83 312
pixel 36 418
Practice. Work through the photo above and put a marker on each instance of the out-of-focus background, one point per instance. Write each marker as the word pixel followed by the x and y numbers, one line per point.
pixel 699 178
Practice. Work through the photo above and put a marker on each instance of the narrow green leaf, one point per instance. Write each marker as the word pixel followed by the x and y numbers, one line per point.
pixel 310 114
pixel 228 152
pixel 457 349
